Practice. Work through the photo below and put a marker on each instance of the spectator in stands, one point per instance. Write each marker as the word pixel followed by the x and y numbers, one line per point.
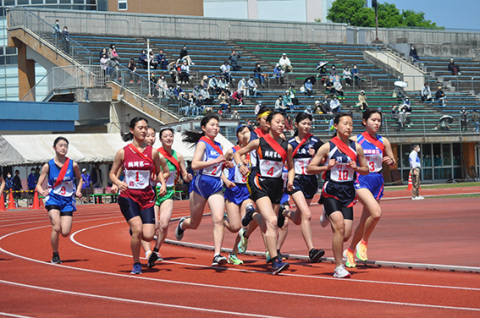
pixel 454 68
pixel 426 94
pixel 153 85
pixel 475 121
pixel 213 86
pixel 463 119
pixel 258 73
pixel 56 29
pixel 442 126
pixel 293 94
pixel 112 67
pixel 143 59
pixel 162 86
pixel 333 71
pixel 242 86
pixel 394 112
pixel 347 76
pixel 280 106
pixel 153 61
pixel 174 69
pixel 356 76
pixel 398 93
pixel 133 69
pixel 178 91
pixel 204 83
pixel 278 73
pixel 185 73
pixel 440 97
pixel 402 118
pixel 289 125
pixel 223 85
pixel 17 185
pixel 225 71
pixel 103 64
pixel 413 54
pixel 228 112
pixel 222 100
pixel 309 88
pixel 362 101
pixel 285 63
pixel 162 60
pixel 252 87
pixel 320 108
pixel 31 180
pixel 258 106
pixel 234 56
pixel 66 40
pixel 335 106
pixel 237 96
pixel 408 111
pixel 338 87
pixel 322 72
pixel 287 101
pixel 103 52
pixel 235 114
pixel 113 54
pixel 185 56
pixel 199 105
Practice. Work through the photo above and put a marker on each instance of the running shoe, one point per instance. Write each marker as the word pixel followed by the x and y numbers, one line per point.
pixel 152 258
pixel 348 254
pixel 56 259
pixel 281 217
pixel 279 255
pixel 341 272
pixel 242 245
pixel 315 255
pixel 282 256
pixel 232 259
pixel 324 218
pixel 178 231
pixel 219 260
pixel 420 197
pixel 278 265
pixel 362 251
pixel 137 269
pixel 267 256
pixel 248 217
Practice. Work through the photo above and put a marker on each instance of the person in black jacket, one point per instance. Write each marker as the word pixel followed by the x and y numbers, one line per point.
pixel 185 56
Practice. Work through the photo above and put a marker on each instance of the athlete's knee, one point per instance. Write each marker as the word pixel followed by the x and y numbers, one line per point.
pixel 163 225
pixel 272 223
pixel 376 213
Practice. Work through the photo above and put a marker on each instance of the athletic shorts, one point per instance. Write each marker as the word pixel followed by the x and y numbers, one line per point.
pixel 237 194
pixel 308 184
pixel 285 198
pixel 331 205
pixel 131 209
pixel 339 196
pixel 207 185
pixel 373 182
pixel 66 205
pixel 168 196
pixel 260 187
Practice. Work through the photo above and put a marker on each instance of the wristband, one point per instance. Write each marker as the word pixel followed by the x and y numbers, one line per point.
pixel 239 164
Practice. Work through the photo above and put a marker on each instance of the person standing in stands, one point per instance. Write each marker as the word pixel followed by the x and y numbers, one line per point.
pixel 66 40
pixel 60 196
pixel 234 56
pixel 415 167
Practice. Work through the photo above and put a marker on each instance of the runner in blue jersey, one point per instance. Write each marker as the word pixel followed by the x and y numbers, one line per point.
pixel 207 187
pixel 59 198
pixel 343 159
pixel 369 187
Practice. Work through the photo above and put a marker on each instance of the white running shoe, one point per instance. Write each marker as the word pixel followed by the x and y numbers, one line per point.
pixel 341 272
pixel 420 197
pixel 324 219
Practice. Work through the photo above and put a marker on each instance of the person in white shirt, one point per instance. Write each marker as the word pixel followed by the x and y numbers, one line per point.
pixel 426 93
pixel 285 63
pixel 415 172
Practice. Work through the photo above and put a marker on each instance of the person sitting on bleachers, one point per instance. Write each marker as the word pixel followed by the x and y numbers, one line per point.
pixel 223 85
pixel 330 89
pixel 185 73
pixel 285 63
pixel 335 106
pixel 153 61
pixel 362 101
pixel 103 52
pixel 225 71
pixel 309 88
pixel 143 59
pixel 398 93
pixel 413 54
pixel 222 100
pixel 356 76
pixel 258 73
pixel 235 114
pixel 228 112
pixel 440 97
pixel 454 68
pixel 338 87
pixel 322 73
pixel 408 111
pixel 279 106
pixel 278 74
pixel 287 101
pixel 178 91
pixel 242 86
pixel 322 108
pixel 199 105
pixel 426 93
pixel 133 71
pixel 401 119
pixel 333 71
pixel 213 88
pixel 252 87
pixel 162 60
pixel 234 56
pixel 237 97
pixel 347 76
pixel 174 71
pixel 185 56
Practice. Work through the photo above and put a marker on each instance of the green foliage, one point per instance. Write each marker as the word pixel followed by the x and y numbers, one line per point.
pixel 354 12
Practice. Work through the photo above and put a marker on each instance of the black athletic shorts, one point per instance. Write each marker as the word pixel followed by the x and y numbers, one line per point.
pixel 260 187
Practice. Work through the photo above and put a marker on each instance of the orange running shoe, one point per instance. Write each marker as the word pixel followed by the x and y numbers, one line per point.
pixel 362 251
pixel 348 254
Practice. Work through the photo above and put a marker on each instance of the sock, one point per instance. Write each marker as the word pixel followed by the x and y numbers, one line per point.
pixel 155 250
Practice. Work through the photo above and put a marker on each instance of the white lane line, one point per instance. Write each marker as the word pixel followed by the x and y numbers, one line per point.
pixel 239 288
pixel 13 315
pixel 137 302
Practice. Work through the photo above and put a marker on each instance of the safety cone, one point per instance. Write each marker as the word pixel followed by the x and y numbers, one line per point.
pixel 11 201
pixel 35 204
pixel 410 185
pixel 2 203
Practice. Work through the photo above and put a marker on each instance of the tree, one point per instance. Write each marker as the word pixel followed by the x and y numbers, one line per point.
pixel 355 12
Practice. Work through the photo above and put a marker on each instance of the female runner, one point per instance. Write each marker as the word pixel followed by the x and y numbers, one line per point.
pixel 305 185
pixel 265 182
pixel 338 193
pixel 59 198
pixel 207 186
pixel 369 187
pixel 164 204
pixel 137 197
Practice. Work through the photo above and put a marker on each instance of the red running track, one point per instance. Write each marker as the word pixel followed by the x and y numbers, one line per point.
pixel 94 279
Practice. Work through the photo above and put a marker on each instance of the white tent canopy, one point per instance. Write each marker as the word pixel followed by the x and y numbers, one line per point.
pixel 16 150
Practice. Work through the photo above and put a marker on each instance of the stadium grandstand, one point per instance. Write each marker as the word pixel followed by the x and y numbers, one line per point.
pixel 57 70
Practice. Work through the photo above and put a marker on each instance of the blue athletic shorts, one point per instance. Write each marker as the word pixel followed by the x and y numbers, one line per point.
pixel 61 203
pixel 285 198
pixel 131 209
pixel 207 185
pixel 373 182
pixel 343 192
pixel 237 194
pixel 308 184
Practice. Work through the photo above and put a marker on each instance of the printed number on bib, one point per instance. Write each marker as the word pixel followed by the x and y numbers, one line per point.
pixel 371 166
pixel 137 179
pixel 343 175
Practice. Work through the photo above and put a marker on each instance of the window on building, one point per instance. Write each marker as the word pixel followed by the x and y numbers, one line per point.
pixel 122 4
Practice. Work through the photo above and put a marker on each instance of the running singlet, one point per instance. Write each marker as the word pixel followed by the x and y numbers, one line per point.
pixel 341 171
pixel 373 154
pixel 66 188
pixel 254 135
pixel 138 169
pixel 302 157
pixel 234 173
pixel 270 162
pixel 170 182
pixel 210 154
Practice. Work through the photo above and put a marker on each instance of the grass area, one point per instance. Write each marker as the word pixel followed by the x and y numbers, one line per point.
pixel 436 186
pixel 455 196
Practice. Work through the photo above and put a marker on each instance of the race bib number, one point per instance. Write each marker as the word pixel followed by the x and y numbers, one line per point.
pixel 137 179
pixel 271 169
pixel 239 177
pixel 374 163
pixel 301 165
pixel 342 173
pixel 213 170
